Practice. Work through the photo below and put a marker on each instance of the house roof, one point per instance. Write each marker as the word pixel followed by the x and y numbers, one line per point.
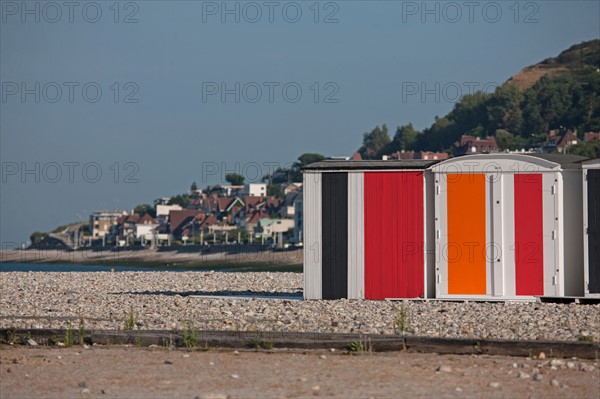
pixel 133 218
pixel 178 219
pixel 254 217
pixel 252 201
pixel 356 156
pixel 370 165
pixel 224 203
pixel 209 220
pixel 146 219
pixel 567 138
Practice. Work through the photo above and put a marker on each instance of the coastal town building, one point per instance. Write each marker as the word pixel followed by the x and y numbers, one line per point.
pixel 559 141
pixel 255 189
pixel 145 228
pixel 101 222
pixel 474 145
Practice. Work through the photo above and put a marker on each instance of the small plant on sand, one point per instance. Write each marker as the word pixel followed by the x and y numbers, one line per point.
pixel 138 337
pixel 81 332
pixel 168 343
pixel 69 336
pixel 190 335
pixel 53 340
pixel 268 344
pixel 130 320
pixel 402 319
pixel 361 346
pixel 10 336
pixel 263 341
pixel 585 338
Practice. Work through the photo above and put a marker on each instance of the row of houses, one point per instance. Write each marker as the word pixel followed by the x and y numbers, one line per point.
pixel 229 214
pixel 557 141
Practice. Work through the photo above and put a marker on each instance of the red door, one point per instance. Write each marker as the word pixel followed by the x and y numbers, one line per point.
pixel 394 264
pixel 529 240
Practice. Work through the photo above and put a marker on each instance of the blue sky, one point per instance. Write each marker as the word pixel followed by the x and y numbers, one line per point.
pixel 161 120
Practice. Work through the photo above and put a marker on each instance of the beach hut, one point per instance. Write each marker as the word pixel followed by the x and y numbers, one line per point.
pixel 508 226
pixel 368 229
pixel 591 226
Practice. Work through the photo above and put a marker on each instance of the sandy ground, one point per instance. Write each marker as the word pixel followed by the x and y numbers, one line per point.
pixel 129 372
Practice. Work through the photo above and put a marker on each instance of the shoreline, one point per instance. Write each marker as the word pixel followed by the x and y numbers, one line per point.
pixel 152 258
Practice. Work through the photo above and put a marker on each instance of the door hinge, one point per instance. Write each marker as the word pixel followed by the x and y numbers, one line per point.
pixel 439 278
pixel 553 190
pixel 554 234
pixel 555 280
pixel 437 190
pixel 437 234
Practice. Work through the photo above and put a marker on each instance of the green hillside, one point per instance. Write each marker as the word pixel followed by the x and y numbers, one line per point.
pixel 557 93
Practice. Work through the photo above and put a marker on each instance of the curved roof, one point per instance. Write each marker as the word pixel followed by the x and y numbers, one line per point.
pixel 509 162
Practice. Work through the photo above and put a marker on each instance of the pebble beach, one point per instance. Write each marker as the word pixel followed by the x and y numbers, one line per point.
pixel 267 302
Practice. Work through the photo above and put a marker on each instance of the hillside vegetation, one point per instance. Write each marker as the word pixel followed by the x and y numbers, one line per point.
pixel 557 93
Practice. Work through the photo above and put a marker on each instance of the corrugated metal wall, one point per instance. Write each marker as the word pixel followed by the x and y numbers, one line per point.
pixel 507 229
pixel 495 236
pixel 394 248
pixel 498 232
pixel 356 256
pixel 312 236
pixel 529 234
pixel 335 235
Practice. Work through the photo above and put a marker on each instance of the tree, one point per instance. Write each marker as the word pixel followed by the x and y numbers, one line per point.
pixel 374 142
pixel 504 111
pixel 194 190
pixel 508 141
pixel 590 150
pixel 233 235
pixel 143 209
pixel 308 158
pixel 214 189
pixel 303 160
pixel 37 237
pixel 182 200
pixel 406 137
pixel 234 179
pixel 275 190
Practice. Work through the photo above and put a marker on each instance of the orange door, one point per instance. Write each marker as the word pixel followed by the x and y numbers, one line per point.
pixel 466 250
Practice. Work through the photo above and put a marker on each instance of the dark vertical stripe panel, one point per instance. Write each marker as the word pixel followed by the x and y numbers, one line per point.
pixel 593 229
pixel 394 264
pixel 529 235
pixel 335 235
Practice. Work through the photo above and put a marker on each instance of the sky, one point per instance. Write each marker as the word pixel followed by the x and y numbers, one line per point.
pixel 107 105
